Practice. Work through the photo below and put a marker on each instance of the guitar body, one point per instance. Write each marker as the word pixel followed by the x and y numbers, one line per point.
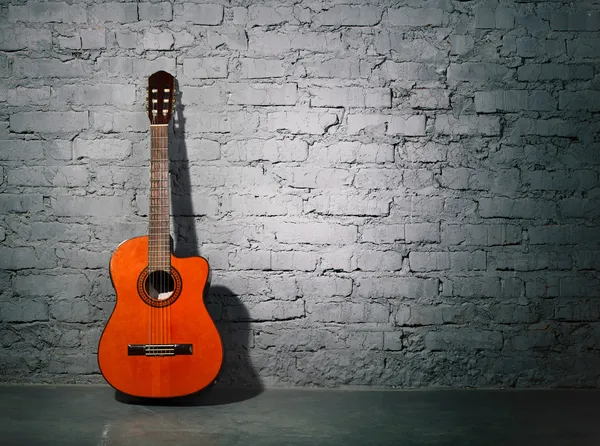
pixel 179 319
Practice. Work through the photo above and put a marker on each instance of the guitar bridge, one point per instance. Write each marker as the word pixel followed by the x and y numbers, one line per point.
pixel 159 349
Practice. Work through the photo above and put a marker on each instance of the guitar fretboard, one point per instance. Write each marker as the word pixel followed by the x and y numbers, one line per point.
pixel 159 242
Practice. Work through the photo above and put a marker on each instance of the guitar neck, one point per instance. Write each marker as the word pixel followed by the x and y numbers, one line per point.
pixel 159 233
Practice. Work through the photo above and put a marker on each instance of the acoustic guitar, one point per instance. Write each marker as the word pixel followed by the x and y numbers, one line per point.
pixel 160 341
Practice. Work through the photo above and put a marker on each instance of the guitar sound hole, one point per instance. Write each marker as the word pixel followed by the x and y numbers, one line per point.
pixel 159 285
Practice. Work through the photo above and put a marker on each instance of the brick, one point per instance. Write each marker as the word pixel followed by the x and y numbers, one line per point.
pixel 428 152
pixel 578 208
pixel 369 205
pixel 206 68
pixel 301 122
pixel 25 258
pixel 439 261
pixel 155 11
pixel 196 149
pixel 108 94
pixel 408 126
pixel 488 17
pixel 578 20
pixel 276 310
pixel 26 122
pixel 516 261
pixel 206 14
pixel 546 127
pixel 235 177
pixel 93 39
pixel 588 100
pixel 17 37
pixel 351 152
pixel 159 40
pixel 415 17
pixel 422 232
pixel 123 66
pixel 484 235
pixel 516 208
pixel 264 15
pixel 113 12
pixel 29 96
pixel 263 94
pixel 408 50
pixel 407 71
pixel 321 286
pixel 69 206
pixel 561 180
pixel 351 97
pixel 337 259
pixel 315 233
pixel 514 100
pixel 200 121
pixel 101 149
pixel 461 44
pixel 551 71
pixel 310 178
pixel 501 182
pixel 532 47
pixel 368 123
pixel 562 235
pixel 231 38
pixel 22 203
pixel 24 310
pixel 463 339
pixel 245 259
pixel 379 233
pixel 274 150
pixel 429 99
pixel 376 178
pixel 208 95
pixel 261 68
pixel 47 12
pixel 396 287
pixel 370 260
pixel 293 261
pixel 276 43
pixel 583 48
pixel 49 68
pixel 346 15
pixel 347 68
pixel 109 122
pixel 467 125
pixel 477 72
pixel 348 312
pixel 66 176
pixel 263 206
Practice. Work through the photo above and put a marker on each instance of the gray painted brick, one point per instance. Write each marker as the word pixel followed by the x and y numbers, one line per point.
pixel 101 149
pixel 263 15
pixel 351 152
pixel 47 12
pixel 579 100
pixel 467 125
pixel 262 94
pixel 18 37
pixel 477 72
pixel 66 176
pixel 24 310
pixel 351 97
pixel 348 68
pixel 234 39
pixel 521 208
pixel 497 17
pixel 439 261
pixel 205 68
pixel 463 339
pixel 550 71
pixel 347 15
pixel 578 20
pixel 48 68
pixel 276 43
pixel 158 40
pixel 110 94
pixel 68 206
pixel 207 14
pixel 349 205
pixel 514 100
pixel 396 287
pixel 583 48
pixel 315 232
pixel 155 11
pixel 422 232
pixel 301 122
pixel 201 121
pixel 207 95
pixel 113 12
pixel 377 233
pixel 261 68
pixel 415 17
pixel 371 260
pixel 49 122
pixel 120 121
pixel 20 203
pixel 270 150
pixel 29 96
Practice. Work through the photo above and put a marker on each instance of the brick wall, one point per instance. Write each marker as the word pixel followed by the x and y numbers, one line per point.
pixel 389 193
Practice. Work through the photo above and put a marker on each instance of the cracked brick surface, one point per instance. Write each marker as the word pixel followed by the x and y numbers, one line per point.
pixel 389 193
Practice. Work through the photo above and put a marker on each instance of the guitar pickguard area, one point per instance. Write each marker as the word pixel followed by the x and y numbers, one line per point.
pixel 159 288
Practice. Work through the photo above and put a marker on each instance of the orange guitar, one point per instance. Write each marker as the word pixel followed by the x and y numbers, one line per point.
pixel 160 340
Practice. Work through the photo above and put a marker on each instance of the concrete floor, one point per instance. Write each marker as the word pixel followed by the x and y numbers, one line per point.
pixel 95 415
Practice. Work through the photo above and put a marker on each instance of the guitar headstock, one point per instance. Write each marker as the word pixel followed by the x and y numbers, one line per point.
pixel 160 97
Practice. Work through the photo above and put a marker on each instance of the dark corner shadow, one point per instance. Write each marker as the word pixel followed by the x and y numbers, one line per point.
pixel 237 380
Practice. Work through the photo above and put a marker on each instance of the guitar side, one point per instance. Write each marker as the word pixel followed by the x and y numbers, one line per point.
pixel 135 322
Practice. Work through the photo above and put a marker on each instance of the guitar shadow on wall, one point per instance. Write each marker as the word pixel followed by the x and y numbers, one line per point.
pixel 237 380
